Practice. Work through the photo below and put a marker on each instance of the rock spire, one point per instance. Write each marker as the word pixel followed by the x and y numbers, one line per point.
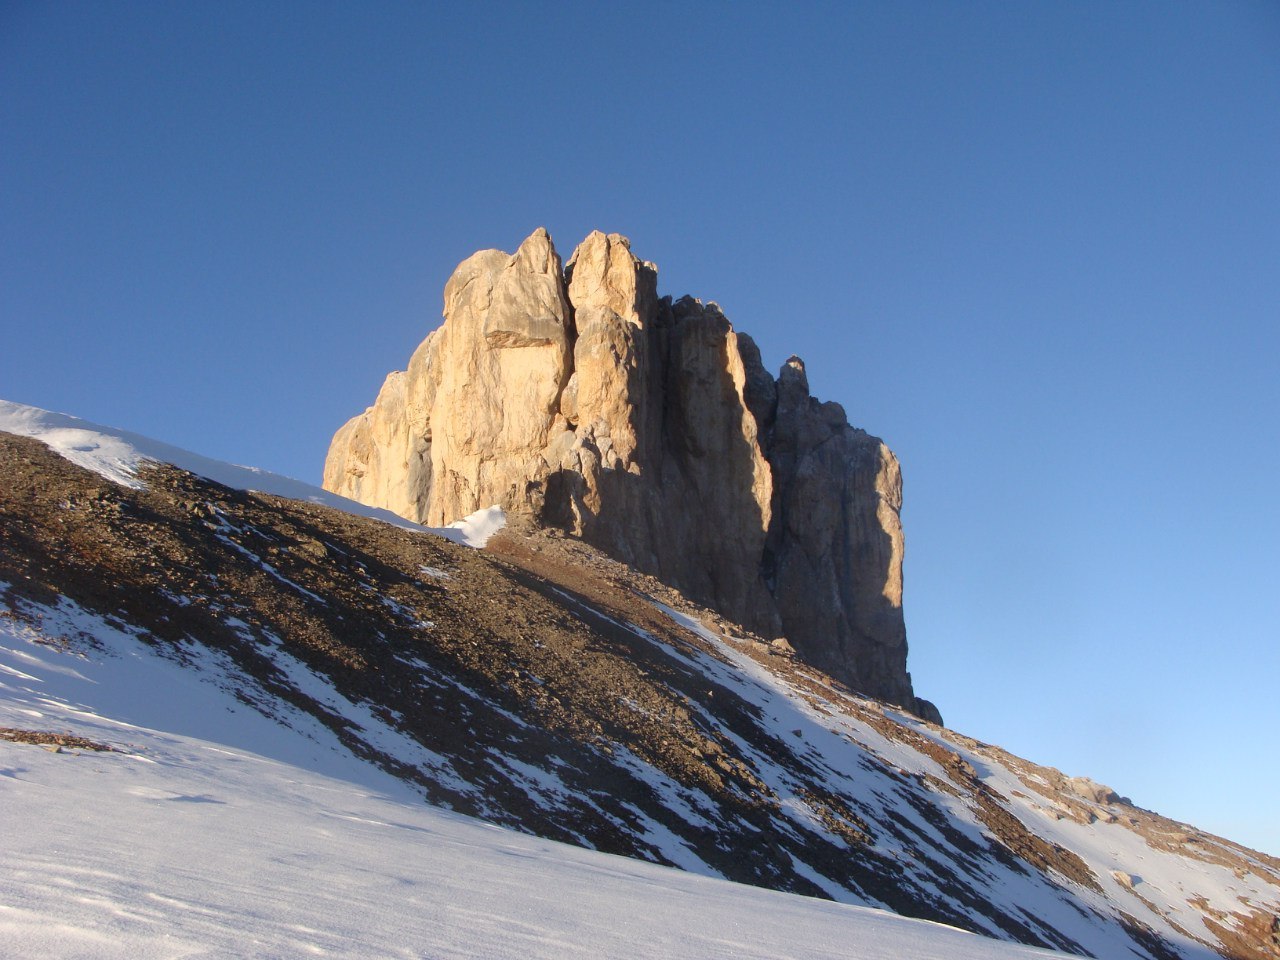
pixel 576 396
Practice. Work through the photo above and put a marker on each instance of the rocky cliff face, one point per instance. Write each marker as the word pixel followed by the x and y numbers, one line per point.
pixel 579 398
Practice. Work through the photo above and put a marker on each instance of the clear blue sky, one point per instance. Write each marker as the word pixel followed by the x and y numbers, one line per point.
pixel 1035 246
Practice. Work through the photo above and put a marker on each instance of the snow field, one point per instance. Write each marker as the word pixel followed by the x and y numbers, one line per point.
pixel 179 846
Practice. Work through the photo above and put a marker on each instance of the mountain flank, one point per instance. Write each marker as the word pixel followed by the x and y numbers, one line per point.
pixel 578 398
pixel 543 686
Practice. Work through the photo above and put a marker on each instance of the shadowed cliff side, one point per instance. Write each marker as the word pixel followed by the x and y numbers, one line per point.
pixel 579 398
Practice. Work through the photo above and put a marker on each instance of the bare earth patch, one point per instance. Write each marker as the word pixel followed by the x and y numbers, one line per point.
pixel 46 738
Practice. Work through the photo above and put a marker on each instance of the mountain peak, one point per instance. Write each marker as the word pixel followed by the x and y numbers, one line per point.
pixel 581 399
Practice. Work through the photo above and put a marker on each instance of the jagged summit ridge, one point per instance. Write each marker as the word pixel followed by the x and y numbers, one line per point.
pixel 574 395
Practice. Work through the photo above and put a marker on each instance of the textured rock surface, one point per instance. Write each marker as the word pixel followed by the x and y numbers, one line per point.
pixel 650 428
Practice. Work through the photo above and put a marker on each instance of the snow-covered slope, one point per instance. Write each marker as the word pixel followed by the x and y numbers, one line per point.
pixel 534 684
pixel 175 846
pixel 117 454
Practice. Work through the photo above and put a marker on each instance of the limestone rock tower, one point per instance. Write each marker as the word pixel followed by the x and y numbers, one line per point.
pixel 576 395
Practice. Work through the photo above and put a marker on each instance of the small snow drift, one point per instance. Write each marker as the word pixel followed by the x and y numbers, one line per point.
pixel 475 529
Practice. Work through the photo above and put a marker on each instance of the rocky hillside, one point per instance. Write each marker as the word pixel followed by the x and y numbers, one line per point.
pixel 543 686
pixel 579 398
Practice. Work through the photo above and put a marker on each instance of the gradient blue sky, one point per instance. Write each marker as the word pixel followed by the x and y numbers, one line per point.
pixel 1035 246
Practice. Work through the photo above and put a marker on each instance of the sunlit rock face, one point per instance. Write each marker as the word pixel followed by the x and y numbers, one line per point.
pixel 577 397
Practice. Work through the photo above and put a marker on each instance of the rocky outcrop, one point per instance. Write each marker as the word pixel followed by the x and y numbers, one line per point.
pixel 579 398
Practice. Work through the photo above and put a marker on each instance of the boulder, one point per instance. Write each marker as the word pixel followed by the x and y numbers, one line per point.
pixel 1090 790
pixel 781 647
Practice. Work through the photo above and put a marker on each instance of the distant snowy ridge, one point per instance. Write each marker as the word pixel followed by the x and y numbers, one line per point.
pixel 117 455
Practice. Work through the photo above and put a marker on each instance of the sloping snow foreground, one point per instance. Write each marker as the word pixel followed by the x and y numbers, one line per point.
pixel 218 829
pixel 212 830
pixel 177 846
pixel 117 455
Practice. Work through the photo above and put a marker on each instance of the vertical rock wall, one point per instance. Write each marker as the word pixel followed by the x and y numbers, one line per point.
pixel 580 398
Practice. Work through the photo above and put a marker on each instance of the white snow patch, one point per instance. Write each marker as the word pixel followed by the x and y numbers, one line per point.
pixel 475 529
pixel 122 685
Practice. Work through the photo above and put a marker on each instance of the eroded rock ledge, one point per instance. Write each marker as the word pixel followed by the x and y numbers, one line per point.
pixel 577 397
